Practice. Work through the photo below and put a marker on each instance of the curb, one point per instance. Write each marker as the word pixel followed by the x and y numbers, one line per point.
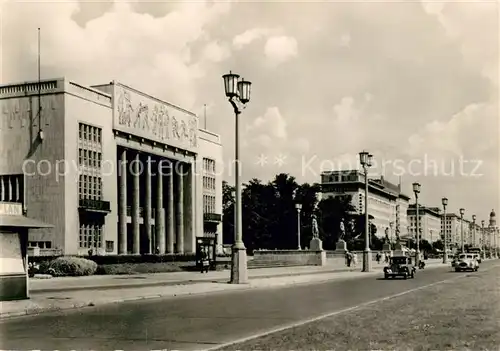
pixel 180 282
pixel 36 311
pixel 191 282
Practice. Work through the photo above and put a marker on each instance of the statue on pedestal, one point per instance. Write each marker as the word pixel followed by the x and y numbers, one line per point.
pixel 315 230
pixel 386 239
pixel 342 230
pixel 316 244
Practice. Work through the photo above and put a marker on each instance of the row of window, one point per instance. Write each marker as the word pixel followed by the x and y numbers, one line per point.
pixel 208 183
pixel 89 158
pixel 90 187
pixel 90 133
pixel 40 244
pixel 12 188
pixel 90 235
pixel 209 204
pixel 209 165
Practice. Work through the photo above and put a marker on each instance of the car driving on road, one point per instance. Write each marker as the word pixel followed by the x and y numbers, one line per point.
pixel 400 266
pixel 466 262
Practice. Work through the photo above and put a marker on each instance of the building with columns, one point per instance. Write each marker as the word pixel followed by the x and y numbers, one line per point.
pixel 116 171
pixel 386 203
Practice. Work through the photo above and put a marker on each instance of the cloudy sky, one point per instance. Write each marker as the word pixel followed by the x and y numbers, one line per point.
pixel 414 83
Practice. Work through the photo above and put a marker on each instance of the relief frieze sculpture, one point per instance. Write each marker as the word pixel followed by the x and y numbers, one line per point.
pixel 16 113
pixel 147 116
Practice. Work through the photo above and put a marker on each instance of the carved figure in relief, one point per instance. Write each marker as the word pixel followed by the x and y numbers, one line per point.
pixel 125 108
pixel 154 120
pixel 175 128
pixel 166 123
pixel 141 117
pixel 192 132
pixel 5 114
pixel 184 131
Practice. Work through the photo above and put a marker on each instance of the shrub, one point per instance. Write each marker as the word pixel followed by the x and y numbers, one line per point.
pixel 147 258
pixel 69 266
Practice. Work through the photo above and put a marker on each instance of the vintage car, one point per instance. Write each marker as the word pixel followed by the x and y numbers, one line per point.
pixel 400 266
pixel 465 262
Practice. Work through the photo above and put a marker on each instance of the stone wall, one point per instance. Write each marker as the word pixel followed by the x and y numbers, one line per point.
pixel 299 257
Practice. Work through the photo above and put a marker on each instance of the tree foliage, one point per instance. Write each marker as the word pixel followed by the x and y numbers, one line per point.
pixel 270 219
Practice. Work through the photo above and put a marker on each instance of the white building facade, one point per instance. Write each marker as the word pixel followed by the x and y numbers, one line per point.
pixel 116 171
pixel 386 203
pixel 429 222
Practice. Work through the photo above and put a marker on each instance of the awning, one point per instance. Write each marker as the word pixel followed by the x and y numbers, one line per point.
pixel 22 221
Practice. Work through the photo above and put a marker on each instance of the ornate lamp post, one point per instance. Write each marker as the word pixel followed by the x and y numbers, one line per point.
pixel 473 230
pixel 484 240
pixel 444 201
pixel 462 212
pixel 366 161
pixel 416 190
pixel 238 93
pixel 298 207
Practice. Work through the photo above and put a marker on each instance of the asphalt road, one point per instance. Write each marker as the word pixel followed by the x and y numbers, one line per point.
pixel 203 321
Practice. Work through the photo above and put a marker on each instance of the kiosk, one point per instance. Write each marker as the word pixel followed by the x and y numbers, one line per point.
pixel 13 250
pixel 209 245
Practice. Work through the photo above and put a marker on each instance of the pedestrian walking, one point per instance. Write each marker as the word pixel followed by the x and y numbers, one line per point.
pixel 205 262
pixel 348 258
pixel 355 259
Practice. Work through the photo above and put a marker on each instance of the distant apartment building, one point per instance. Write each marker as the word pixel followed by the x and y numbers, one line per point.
pixel 386 203
pixel 429 222
pixel 454 226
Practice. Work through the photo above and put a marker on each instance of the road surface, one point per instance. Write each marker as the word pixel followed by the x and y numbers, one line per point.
pixel 203 321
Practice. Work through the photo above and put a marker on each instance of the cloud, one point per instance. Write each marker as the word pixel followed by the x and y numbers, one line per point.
pixel 216 52
pixel 280 49
pixel 271 124
pixel 145 53
pixel 249 36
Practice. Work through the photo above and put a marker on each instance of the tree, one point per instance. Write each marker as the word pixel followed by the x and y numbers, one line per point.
pixel 438 245
pixel 227 213
pixel 332 211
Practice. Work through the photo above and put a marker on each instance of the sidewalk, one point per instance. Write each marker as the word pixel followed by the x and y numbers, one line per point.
pixel 60 299
pixel 106 282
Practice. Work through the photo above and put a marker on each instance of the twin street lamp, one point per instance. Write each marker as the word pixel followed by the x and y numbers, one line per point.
pixel 462 212
pixel 365 159
pixel 444 201
pixel 298 207
pixel 238 92
pixel 416 190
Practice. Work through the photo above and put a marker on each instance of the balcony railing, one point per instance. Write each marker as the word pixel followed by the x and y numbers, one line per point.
pixel 212 217
pixel 95 205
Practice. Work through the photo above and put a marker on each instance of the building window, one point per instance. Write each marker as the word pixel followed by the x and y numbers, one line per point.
pixel 12 188
pixel 90 234
pixel 90 161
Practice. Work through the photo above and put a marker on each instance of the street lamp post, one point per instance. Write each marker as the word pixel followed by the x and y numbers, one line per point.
pixel 298 207
pixel 444 201
pixel 484 240
pixel 366 161
pixel 416 190
pixel 462 212
pixel 238 93
pixel 474 230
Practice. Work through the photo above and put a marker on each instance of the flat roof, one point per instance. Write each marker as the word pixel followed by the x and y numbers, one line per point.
pixel 22 222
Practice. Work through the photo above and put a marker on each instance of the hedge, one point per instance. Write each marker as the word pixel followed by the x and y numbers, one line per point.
pixel 148 258
pixel 69 266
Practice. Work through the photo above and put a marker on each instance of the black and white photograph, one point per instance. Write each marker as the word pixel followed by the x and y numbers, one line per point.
pixel 249 175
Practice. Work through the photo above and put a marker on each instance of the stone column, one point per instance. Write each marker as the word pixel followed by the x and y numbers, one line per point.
pixel 147 205
pixel 160 214
pixel 11 193
pixel 179 210
pixel 135 207
pixel 189 240
pixel 17 189
pixel 122 204
pixel 170 212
